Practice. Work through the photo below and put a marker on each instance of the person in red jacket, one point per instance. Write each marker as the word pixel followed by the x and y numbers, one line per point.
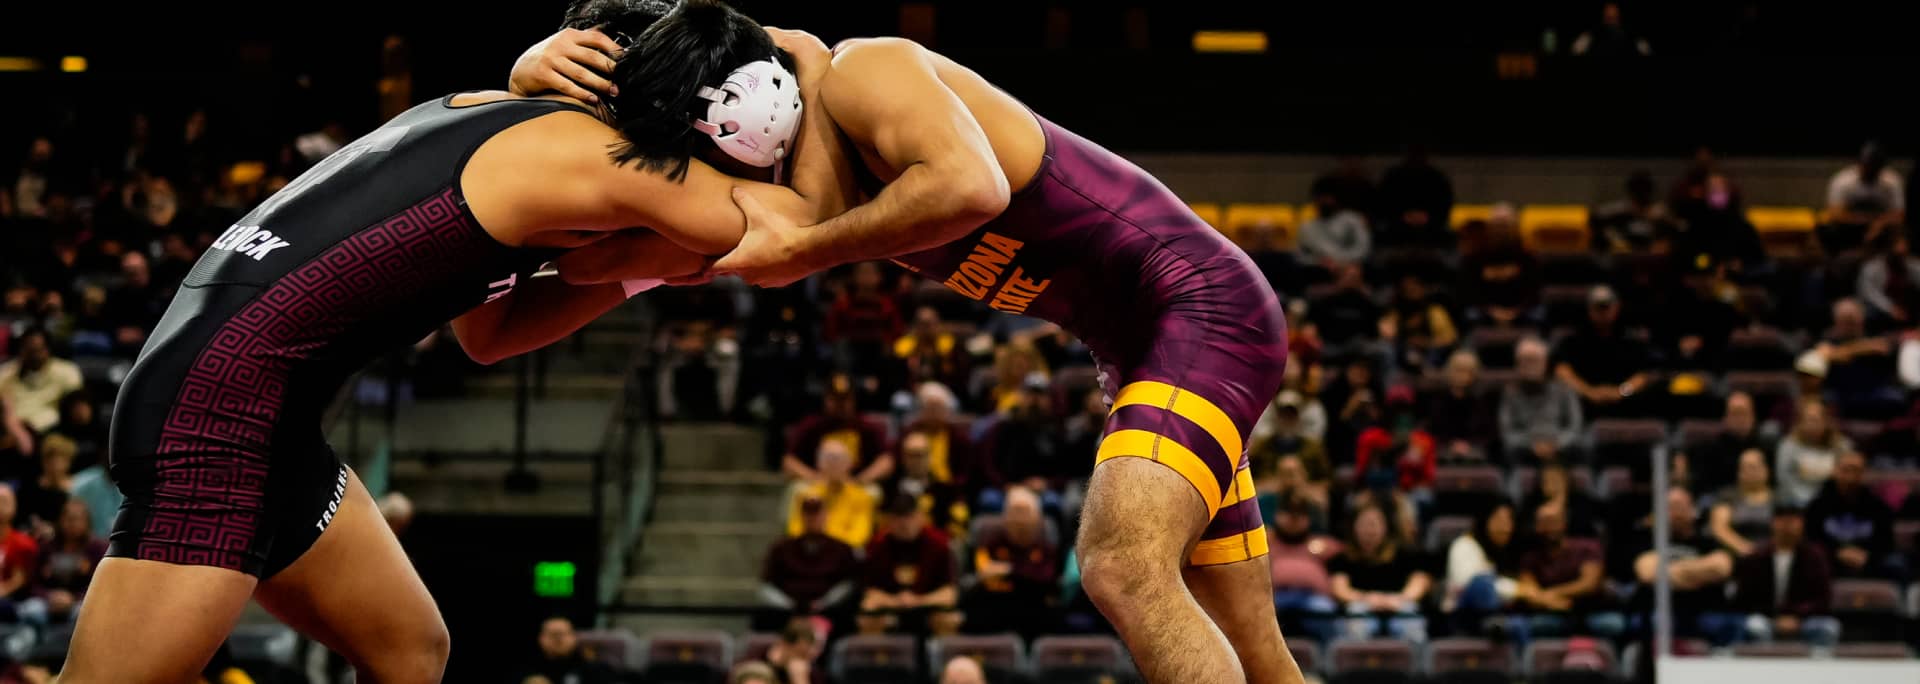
pixel 1397 453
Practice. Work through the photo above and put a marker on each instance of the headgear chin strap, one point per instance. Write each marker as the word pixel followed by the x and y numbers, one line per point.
pixel 754 114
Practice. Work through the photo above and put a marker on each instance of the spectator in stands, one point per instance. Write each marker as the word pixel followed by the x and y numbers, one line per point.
pixel 1502 280
pixel 1561 578
pixel 810 573
pixel 1611 38
pixel 1854 524
pixel 1860 374
pixel 1398 453
pixel 1483 566
pixel 1716 464
pixel 1302 588
pixel 1889 282
pixel 30 187
pixel 1785 587
pixel 1418 327
pixel 135 305
pixel 42 498
pixel 962 670
pixel 848 505
pixel 1632 223
pixel 1018 568
pixel 751 672
pixel 1714 227
pixel 1742 514
pixel 944 503
pixel 1806 457
pixel 840 423
pixel 35 381
pixel 1463 419
pixel 1013 363
pixel 561 659
pixel 16 439
pixel 1698 569
pixel 909 576
pixel 1863 200
pixel 929 352
pixel 66 567
pixel 1292 475
pixel 1376 575
pixel 1296 413
pixel 1337 235
pixel 1348 318
pixel 1416 204
pixel 1540 418
pixel 1556 488
pixel 863 321
pixel 80 423
pixel 1355 399
pixel 19 553
pixel 1284 436
pixel 1020 448
pixel 792 657
pixel 1600 362
pixel 949 450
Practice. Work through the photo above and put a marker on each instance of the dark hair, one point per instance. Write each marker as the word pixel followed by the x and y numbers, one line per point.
pixel 660 75
pixel 798 633
pixel 1504 558
pixel 615 17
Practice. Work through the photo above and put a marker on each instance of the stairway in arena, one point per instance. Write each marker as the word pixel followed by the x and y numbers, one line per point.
pixel 717 507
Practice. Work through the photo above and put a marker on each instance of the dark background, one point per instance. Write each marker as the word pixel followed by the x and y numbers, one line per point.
pixel 1748 78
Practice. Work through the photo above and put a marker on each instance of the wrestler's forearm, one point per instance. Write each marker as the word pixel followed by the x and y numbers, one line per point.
pixel 539 312
pixel 923 208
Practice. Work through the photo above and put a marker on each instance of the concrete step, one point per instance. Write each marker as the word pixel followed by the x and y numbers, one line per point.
pixel 643 623
pixel 712 446
pixel 722 483
pixel 697 590
pixel 712 549
pixel 582 384
pixel 695 506
pixel 480 425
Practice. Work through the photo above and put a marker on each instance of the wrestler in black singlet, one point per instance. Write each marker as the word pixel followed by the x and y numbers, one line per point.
pixel 217 438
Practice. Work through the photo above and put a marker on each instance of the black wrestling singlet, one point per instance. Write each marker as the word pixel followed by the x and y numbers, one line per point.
pixel 216 436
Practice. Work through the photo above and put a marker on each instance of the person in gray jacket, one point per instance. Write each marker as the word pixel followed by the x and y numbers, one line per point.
pixel 1540 418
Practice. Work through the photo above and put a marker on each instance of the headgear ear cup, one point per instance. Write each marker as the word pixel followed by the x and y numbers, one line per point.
pixel 754 114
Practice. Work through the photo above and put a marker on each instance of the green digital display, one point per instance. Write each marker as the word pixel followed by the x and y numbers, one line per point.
pixel 553 579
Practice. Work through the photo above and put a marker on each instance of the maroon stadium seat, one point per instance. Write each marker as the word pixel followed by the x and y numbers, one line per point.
pixel 1450 659
pixel 1615 480
pixel 616 647
pixel 1476 479
pixel 1769 389
pixel 1858 596
pixel 1001 655
pixel 1906 535
pixel 1882 650
pixel 1444 529
pixel 1495 346
pixel 1547 657
pixel 873 658
pixel 1370 655
pixel 688 656
pixel 1761 348
pixel 1525 478
pixel 754 646
pixel 1306 654
pixel 1063 658
pixel 1778 649
pixel 1696 434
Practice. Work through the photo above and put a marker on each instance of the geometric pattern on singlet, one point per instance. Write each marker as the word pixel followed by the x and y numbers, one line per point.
pixel 214 448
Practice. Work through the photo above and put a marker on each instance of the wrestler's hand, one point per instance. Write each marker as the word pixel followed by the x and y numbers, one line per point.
pixel 573 62
pixel 811 58
pixel 769 254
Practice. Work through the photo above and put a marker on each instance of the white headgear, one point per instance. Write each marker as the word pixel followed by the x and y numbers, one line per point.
pixel 754 114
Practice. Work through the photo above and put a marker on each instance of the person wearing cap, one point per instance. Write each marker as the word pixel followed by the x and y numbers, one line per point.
pixel 811 572
pixel 1020 447
pixel 1601 363
pixel 839 421
pixel 1785 587
pixel 1864 199
pixel 909 575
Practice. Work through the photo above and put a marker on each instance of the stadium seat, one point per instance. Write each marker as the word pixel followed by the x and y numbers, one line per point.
pixel 1768 389
pixel 1913 601
pixel 1464 490
pixel 264 647
pixel 1495 346
pixel 1566 305
pixel 873 659
pixel 1879 650
pixel 1444 529
pixel 1495 380
pixel 1869 608
pixel 1782 219
pixel 1555 228
pixel 1464 214
pixel 1906 536
pixel 1003 656
pixel 1778 649
pixel 1076 659
pixel 1546 662
pixel 1525 478
pixel 1572 268
pixel 1370 661
pixel 1306 654
pixel 1762 348
pixel 689 657
pixel 1208 212
pixel 1757 302
pixel 1614 481
pixel 1695 434
pixel 754 646
pixel 1635 655
pixel 1468 661
pixel 1625 441
pixel 1862 432
pixel 1257 227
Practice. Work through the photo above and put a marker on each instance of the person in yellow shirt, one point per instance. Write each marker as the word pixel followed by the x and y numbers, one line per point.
pixel 849 505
